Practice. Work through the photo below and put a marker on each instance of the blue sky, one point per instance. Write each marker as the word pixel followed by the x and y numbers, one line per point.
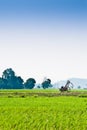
pixel 44 38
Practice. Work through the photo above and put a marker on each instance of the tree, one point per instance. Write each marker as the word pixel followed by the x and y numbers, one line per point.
pixel 3 83
pixel 79 87
pixel 19 82
pixel 46 83
pixel 8 74
pixel 12 81
pixel 30 83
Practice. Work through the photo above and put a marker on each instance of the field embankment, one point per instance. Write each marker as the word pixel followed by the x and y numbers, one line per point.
pixel 41 92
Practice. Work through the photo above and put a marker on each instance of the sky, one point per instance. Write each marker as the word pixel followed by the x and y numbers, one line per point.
pixel 44 38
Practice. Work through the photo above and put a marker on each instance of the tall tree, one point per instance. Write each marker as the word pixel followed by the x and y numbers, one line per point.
pixel 12 81
pixel 8 74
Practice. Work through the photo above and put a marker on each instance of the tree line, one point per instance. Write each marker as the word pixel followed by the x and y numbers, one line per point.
pixel 9 80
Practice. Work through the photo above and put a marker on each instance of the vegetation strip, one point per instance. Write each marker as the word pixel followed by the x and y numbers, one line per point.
pixel 19 93
pixel 43 113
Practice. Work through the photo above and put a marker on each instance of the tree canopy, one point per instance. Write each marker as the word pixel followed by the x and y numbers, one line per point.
pixel 9 80
pixel 46 83
pixel 30 83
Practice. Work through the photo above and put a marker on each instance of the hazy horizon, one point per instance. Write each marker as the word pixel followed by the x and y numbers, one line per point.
pixel 44 38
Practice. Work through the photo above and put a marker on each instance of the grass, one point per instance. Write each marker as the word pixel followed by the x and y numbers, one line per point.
pixel 42 112
pixel 40 92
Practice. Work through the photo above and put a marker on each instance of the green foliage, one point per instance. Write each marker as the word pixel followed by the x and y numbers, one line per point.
pixel 3 83
pixel 8 74
pixel 43 113
pixel 10 81
pixel 30 83
pixel 46 84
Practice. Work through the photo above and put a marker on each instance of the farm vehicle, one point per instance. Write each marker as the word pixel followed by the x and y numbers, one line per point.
pixel 67 86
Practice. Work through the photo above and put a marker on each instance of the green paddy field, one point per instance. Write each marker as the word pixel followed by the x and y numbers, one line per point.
pixel 43 110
